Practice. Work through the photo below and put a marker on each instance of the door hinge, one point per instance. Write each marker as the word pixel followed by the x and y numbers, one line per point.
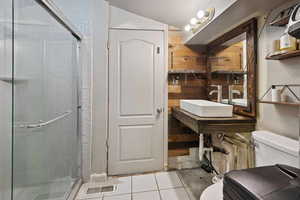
pixel 158 50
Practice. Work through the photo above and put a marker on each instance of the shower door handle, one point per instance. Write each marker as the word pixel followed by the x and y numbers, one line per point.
pixel 43 124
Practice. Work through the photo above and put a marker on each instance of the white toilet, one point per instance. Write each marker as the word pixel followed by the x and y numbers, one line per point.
pixel 270 149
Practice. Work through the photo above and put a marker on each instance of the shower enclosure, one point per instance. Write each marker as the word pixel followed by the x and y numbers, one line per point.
pixel 39 102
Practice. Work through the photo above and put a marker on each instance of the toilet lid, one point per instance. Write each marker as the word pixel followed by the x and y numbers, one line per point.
pixel 213 192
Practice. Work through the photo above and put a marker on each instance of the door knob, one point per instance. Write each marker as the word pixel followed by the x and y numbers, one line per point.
pixel 159 110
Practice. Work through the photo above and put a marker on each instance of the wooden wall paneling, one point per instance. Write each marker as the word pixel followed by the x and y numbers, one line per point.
pixel 178 152
pixel 190 92
pixel 173 103
pixel 228 58
pixel 188 86
pixel 176 89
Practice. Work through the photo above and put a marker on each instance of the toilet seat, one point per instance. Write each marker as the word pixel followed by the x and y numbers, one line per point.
pixel 213 192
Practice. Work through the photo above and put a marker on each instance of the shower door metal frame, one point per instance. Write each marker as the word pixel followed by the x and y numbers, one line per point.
pixel 53 10
pixel 76 186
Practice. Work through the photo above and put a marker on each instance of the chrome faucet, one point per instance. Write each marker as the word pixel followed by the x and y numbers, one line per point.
pixel 219 91
pixel 231 91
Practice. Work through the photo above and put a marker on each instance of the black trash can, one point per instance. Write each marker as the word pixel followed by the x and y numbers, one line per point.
pixel 278 182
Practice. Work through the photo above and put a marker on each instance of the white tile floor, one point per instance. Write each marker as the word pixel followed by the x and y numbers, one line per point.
pixel 156 186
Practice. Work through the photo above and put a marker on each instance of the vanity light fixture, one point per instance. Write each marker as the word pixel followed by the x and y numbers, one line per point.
pixel 202 13
pixel 203 17
pixel 194 21
pixel 188 28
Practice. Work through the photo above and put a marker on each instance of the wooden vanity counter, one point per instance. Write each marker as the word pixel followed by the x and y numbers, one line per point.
pixel 235 124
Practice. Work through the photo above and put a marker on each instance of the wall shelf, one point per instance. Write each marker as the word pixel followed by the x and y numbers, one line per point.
pixel 186 71
pixel 280 103
pixel 228 72
pixel 283 18
pixel 281 22
pixel 284 87
pixel 284 55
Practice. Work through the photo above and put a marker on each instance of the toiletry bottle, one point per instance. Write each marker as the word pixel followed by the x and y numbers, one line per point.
pixel 276 96
pixel 177 80
pixel 284 97
pixel 276 46
pixel 288 43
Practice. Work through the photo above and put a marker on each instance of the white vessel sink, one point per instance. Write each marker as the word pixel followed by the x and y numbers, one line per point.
pixel 203 108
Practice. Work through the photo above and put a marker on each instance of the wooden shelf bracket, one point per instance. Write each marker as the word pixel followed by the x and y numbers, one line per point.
pixel 284 87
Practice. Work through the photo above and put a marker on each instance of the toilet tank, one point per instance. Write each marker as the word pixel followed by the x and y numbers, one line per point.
pixel 271 149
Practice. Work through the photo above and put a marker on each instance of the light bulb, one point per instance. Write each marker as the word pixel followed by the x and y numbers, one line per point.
pixel 187 28
pixel 194 21
pixel 202 13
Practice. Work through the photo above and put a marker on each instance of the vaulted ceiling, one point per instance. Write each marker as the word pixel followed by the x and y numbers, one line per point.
pixel 179 12
pixel 172 12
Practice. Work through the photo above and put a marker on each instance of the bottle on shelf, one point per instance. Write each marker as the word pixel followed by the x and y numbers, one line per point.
pixel 288 43
pixel 276 94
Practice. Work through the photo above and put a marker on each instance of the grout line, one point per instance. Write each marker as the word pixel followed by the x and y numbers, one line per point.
pixel 157 190
pixel 188 194
pixel 131 188
pixel 180 178
pixel 177 187
pixel 144 191
pixel 158 187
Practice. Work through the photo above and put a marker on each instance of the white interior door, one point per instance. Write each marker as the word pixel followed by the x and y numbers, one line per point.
pixel 136 74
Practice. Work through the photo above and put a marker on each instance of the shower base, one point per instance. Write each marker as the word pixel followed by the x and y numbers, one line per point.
pixel 59 189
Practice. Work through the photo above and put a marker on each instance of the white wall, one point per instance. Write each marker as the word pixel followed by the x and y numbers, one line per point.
pixel 100 86
pixel 279 119
pixel 91 18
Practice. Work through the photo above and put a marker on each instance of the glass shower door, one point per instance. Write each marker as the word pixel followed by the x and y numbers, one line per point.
pixel 46 151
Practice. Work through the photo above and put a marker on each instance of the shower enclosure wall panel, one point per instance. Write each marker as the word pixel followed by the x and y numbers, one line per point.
pixel 5 98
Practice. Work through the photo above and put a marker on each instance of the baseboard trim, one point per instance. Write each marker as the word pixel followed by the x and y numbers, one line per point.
pixel 75 190
pixel 98 178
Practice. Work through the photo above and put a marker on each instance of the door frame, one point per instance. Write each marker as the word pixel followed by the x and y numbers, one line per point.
pixel 166 98
pixel 165 95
